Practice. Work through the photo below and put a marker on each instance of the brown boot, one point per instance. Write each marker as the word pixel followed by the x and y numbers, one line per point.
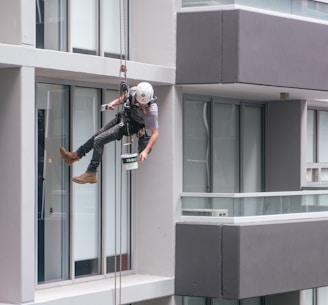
pixel 87 177
pixel 69 157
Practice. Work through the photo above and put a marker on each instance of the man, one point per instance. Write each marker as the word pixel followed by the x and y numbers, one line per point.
pixel 140 114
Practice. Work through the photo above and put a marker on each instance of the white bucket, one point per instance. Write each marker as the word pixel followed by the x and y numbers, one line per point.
pixel 130 161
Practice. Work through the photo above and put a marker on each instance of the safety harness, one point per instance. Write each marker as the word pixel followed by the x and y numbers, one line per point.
pixel 128 125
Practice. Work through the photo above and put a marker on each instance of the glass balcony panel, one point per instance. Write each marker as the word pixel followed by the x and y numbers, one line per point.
pixel 196 206
pixel 324 175
pixel 307 8
pixel 241 205
pixel 192 3
pixel 283 6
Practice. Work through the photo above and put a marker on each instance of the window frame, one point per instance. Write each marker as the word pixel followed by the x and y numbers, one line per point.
pixel 241 104
pixel 104 271
pixel 315 169
pixel 66 43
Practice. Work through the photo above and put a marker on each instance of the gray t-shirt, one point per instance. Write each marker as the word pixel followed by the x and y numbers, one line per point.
pixel 144 115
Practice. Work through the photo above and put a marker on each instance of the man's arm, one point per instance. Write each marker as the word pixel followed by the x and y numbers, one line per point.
pixel 152 140
pixel 117 101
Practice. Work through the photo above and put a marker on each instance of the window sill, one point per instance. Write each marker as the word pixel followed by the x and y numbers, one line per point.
pixel 134 288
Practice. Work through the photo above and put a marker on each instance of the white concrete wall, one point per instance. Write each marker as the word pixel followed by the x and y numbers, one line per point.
pixel 152 31
pixel 10 21
pixel 17 20
pixel 17 186
pixel 27 12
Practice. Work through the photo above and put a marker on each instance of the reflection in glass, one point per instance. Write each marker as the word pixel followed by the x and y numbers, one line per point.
pixel 84 26
pixel 322 295
pixel 323 137
pixel 51 24
pixel 311 136
pixel 253 206
pixel 196 141
pixel 113 27
pixel 307 8
pixel 85 197
pixel 225 151
pixel 53 194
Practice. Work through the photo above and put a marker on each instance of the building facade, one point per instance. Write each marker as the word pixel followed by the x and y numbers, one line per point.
pixel 231 206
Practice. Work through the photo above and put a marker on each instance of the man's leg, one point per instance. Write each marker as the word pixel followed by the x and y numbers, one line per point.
pixel 114 133
pixel 71 157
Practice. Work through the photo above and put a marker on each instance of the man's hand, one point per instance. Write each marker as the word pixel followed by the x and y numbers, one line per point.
pixel 143 156
pixel 152 140
pixel 111 105
pixel 115 102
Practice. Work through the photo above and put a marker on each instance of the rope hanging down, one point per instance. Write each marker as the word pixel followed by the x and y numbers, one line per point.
pixel 122 75
pixel 123 43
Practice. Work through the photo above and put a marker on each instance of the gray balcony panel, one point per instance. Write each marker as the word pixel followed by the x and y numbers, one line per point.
pixel 236 46
pixel 244 260
pixel 198 260
pixel 199 48
pixel 263 259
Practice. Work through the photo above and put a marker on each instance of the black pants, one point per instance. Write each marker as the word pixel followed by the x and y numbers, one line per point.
pixel 114 130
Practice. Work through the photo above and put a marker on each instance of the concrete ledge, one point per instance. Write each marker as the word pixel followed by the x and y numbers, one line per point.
pixel 134 288
pixel 81 67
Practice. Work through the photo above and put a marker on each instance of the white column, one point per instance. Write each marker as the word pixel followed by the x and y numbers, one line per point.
pixel 157 190
pixel 17 185
pixel 28 182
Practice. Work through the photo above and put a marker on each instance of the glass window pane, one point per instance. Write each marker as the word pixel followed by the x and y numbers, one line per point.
pixel 194 301
pixel 113 27
pixel 85 197
pixel 224 302
pixel 251 301
pixel 112 193
pixel 322 296
pixel 51 24
pixel 306 297
pixel 225 154
pixel 311 8
pixel 324 175
pixel 84 26
pixel 196 146
pixel 252 149
pixel 213 158
pixel 53 192
pixel 311 129
pixel 323 136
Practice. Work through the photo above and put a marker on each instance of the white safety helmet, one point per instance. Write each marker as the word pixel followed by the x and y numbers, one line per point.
pixel 145 93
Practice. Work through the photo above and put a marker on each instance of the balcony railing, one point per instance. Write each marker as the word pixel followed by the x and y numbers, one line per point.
pixel 317 9
pixel 241 205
